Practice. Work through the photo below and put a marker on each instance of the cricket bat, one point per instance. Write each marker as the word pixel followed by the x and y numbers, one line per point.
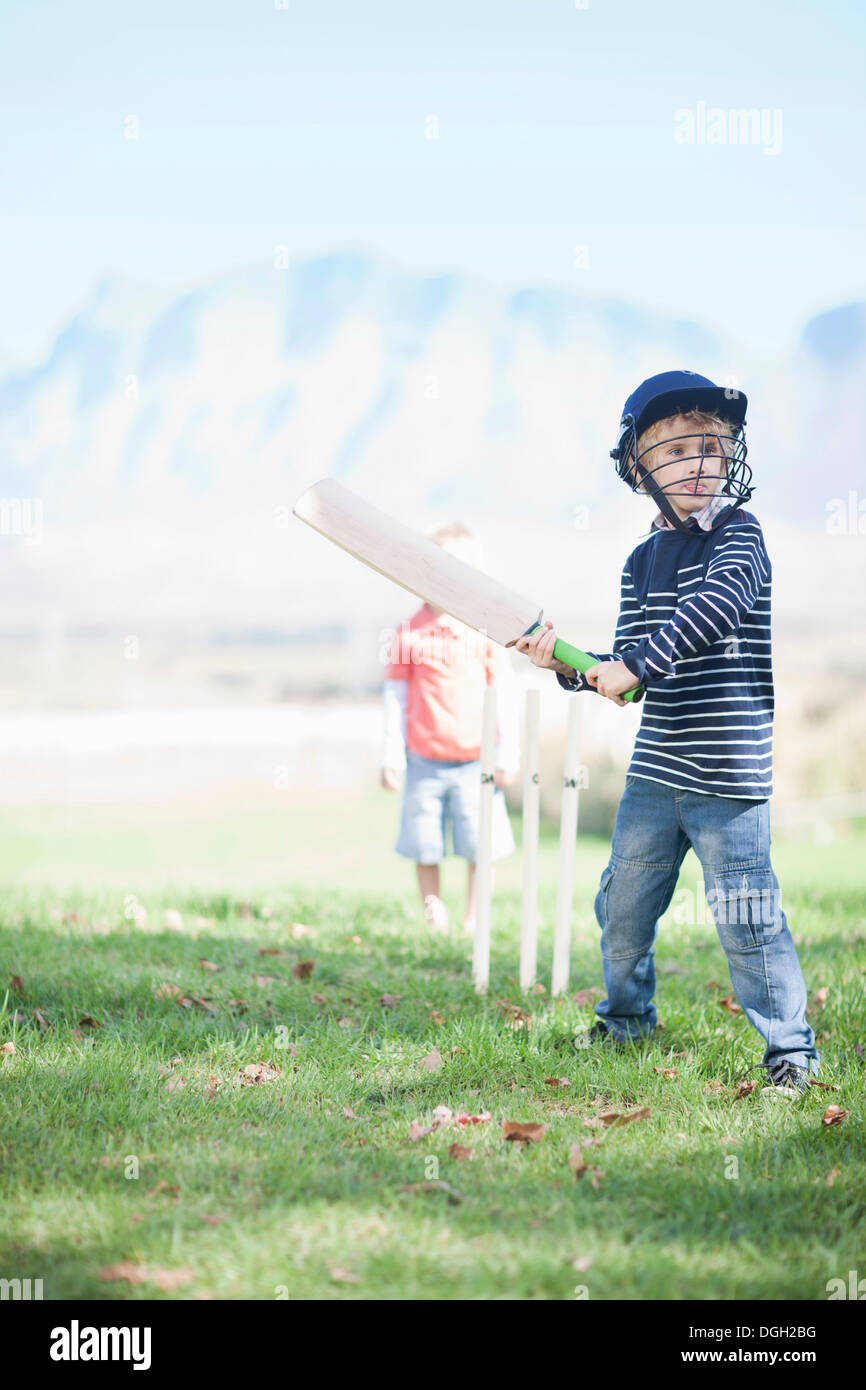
pixel 425 569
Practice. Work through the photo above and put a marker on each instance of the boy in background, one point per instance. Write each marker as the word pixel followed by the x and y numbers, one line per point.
pixel 433 699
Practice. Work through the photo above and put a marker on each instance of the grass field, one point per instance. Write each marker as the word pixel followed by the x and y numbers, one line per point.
pixel 184 1117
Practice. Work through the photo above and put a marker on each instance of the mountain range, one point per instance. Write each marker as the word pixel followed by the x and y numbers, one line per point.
pixel 167 434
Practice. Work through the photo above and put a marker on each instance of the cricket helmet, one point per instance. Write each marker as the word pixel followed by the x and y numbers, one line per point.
pixel 675 393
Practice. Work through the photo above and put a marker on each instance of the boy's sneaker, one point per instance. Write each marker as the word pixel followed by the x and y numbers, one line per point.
pixel 787 1079
pixel 597 1033
pixel 436 913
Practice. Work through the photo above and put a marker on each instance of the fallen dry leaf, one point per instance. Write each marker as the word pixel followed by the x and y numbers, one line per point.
pixel 669 1072
pixel 432 1062
pixel 173 919
pixel 264 980
pixel 194 1002
pixel 16 984
pixel 213 1220
pixel 166 992
pixel 745 1088
pixel 514 1131
pixel 208 965
pixel 831 1176
pixel 834 1115
pixel 464 1119
pixel 343 1276
pixel 163 1186
pixel 730 1004
pixel 270 951
pixel 8 1048
pixel 303 969
pixel 819 998
pixel 175 1083
pixel 390 1001
pixel 514 1014
pixel 318 999
pixel 597 1175
pixel 614 1117
pixel 436 1017
pixel 585 997
pixel 168 1279
pixel 459 1152
pixel 259 1071
pixel 88 1022
pixel 127 1272
pixel 174 1062
pixel 582 1263
pixel 556 1081
pixel 41 1020
pixel 713 1088
pixel 298 929
pixel 575 1161
pixel 442 1117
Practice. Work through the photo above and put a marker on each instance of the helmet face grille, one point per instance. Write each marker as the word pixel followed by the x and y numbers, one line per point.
pixel 725 472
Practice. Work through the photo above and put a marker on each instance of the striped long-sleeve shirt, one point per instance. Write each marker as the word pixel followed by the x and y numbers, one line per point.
pixel 694 627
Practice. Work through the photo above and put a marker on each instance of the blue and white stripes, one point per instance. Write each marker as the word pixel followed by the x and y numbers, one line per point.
pixel 694 627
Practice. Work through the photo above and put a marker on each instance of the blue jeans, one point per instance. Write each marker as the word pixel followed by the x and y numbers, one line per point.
pixel 655 825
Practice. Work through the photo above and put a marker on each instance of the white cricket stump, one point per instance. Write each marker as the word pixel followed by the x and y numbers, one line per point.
pixel 484 863
pixel 529 847
pixel 567 841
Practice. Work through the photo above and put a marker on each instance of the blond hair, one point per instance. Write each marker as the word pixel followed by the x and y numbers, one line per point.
pixel 706 421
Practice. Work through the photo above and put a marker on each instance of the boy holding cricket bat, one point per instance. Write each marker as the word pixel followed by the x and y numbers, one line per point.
pixel 434 686
pixel 694 631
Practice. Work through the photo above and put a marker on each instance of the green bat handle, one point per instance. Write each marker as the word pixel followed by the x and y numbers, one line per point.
pixel 563 651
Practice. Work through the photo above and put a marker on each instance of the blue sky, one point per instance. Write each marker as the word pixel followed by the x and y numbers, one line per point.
pixel 305 126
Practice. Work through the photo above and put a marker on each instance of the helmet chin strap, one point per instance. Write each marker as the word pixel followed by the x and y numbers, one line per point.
pixel 662 502
pixel 664 506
